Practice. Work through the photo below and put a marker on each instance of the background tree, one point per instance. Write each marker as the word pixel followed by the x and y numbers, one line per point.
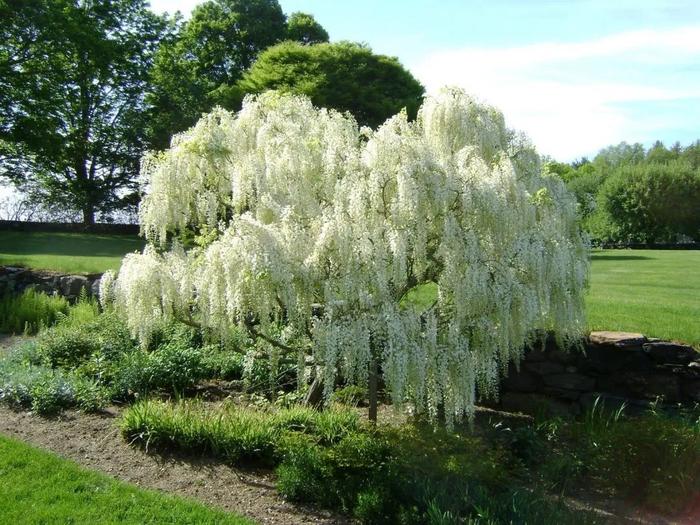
pixel 302 27
pixel 345 76
pixel 654 202
pixel 314 234
pixel 199 68
pixel 74 75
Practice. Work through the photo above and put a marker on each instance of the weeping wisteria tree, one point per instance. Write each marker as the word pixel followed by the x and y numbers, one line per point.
pixel 309 224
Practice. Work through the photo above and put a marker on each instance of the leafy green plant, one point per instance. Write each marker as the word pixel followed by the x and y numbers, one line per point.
pixel 352 395
pixel 29 311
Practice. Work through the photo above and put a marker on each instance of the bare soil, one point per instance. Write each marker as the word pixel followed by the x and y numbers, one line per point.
pixel 94 441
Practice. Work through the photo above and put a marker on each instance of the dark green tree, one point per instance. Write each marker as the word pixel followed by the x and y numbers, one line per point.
pixel 302 27
pixel 73 77
pixel 345 76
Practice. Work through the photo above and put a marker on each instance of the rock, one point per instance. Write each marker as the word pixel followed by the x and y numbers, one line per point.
pixel 618 339
pixel 570 381
pixel 665 352
pixel 522 381
pixel 565 357
pixel 561 393
pixel 536 404
pixel 95 287
pixel 610 359
pixel 692 390
pixel 544 368
pixel 71 285
pixel 612 403
pixel 666 386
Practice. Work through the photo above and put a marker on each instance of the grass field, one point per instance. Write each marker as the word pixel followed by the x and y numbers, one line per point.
pixel 38 487
pixel 656 292
pixel 66 252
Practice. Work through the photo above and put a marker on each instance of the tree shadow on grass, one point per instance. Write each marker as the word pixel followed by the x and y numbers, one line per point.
pixel 618 257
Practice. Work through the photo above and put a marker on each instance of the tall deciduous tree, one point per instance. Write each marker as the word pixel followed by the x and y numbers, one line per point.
pixel 74 74
pixel 345 76
pixel 303 27
pixel 315 226
pixel 199 68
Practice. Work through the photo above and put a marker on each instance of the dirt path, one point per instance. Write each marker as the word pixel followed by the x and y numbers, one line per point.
pixel 93 441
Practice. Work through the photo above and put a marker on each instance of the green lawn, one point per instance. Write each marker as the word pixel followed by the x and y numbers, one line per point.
pixel 38 487
pixel 66 252
pixel 656 292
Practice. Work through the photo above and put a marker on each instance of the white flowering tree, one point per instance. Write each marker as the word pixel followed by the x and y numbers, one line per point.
pixel 308 222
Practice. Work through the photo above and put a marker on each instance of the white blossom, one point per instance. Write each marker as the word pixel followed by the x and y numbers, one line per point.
pixel 309 209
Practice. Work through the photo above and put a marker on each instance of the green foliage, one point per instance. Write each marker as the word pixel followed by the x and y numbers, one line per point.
pixel 352 395
pixel 198 67
pixel 343 76
pixel 74 75
pixel 303 28
pixel 653 202
pixel 653 459
pixel 173 367
pixel 412 474
pixel 29 311
pixel 629 195
pixel 24 383
pixel 235 434
pixel 53 490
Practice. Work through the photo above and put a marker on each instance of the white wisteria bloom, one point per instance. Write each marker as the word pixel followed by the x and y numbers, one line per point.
pixel 308 210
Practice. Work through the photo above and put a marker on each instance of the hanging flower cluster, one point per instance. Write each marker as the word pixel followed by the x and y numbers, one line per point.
pixel 328 229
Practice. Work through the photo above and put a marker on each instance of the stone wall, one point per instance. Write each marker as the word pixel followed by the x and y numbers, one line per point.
pixel 616 367
pixel 16 280
pixel 69 227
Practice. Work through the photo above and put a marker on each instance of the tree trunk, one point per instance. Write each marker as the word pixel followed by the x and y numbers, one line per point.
pixel 88 215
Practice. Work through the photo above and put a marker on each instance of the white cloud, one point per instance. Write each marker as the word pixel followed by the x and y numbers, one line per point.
pixel 568 96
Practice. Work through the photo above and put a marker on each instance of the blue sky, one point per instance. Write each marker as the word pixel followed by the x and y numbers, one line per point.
pixel 576 76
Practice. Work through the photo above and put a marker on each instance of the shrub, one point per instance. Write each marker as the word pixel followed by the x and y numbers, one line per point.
pixel 652 202
pixel 66 346
pixel 222 364
pixel 28 312
pixel 352 395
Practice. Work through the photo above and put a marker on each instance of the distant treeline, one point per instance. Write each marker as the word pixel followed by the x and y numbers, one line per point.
pixel 631 195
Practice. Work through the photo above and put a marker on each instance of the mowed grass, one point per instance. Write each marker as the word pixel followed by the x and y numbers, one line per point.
pixel 66 252
pixel 655 292
pixel 38 487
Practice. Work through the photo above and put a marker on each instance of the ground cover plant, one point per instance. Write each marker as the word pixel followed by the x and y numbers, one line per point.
pixel 66 252
pixel 37 487
pixel 655 292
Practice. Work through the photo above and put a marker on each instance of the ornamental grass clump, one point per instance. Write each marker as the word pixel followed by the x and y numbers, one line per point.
pixel 306 222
